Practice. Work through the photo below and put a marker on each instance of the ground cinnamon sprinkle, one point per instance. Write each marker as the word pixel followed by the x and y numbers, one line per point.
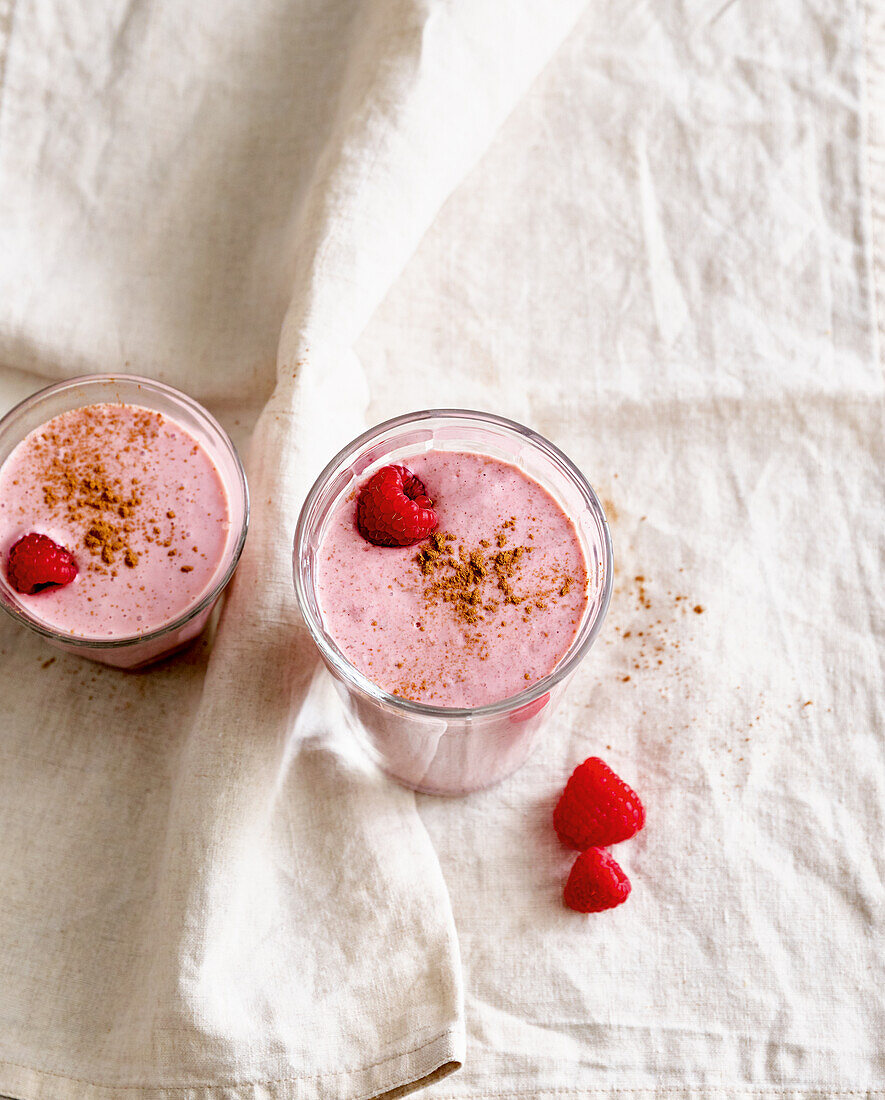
pixel 77 487
pixel 474 583
pixel 105 539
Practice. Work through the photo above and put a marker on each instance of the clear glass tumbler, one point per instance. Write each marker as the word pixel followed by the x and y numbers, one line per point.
pixel 138 650
pixel 452 750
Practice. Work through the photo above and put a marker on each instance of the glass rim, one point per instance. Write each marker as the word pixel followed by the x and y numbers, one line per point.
pixel 585 637
pixel 194 406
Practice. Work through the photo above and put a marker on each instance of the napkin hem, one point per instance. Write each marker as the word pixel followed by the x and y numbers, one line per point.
pixel 677 1092
pixel 394 1076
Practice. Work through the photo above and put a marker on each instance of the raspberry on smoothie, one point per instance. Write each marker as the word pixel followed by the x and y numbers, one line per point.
pixel 35 562
pixel 457 580
pixel 393 508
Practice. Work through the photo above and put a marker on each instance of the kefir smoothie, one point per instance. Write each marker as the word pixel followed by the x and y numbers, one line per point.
pixel 477 610
pixel 134 501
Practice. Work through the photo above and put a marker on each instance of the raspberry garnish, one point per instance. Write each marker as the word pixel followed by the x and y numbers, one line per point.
pixel 596 882
pixel 597 807
pixel 393 508
pixel 36 562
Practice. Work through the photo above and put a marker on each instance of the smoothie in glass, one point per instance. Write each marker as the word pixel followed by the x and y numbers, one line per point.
pixel 123 513
pixel 452 651
pixel 482 609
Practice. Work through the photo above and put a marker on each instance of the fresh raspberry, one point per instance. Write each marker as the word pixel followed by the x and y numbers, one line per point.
pixel 393 508
pixel 597 807
pixel 36 562
pixel 596 882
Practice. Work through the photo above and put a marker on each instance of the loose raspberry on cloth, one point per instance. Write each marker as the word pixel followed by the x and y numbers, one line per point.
pixel 596 883
pixel 597 808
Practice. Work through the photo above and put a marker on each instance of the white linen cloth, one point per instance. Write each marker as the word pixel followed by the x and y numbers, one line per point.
pixel 206 890
pixel 665 263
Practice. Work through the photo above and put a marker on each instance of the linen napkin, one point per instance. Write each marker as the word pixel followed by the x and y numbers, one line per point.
pixel 207 891
pixel 666 263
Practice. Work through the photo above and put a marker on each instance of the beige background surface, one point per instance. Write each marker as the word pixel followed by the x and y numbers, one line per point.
pixel 665 262
pixel 659 265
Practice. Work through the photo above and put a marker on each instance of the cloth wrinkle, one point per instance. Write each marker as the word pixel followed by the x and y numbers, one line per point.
pixel 662 252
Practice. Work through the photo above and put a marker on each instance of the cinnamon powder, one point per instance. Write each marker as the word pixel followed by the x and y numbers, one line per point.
pixel 474 583
pixel 76 486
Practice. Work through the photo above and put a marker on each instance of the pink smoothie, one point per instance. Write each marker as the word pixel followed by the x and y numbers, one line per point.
pixel 483 610
pixel 138 502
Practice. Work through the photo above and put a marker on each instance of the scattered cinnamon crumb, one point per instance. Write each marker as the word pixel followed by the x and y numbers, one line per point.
pixel 104 539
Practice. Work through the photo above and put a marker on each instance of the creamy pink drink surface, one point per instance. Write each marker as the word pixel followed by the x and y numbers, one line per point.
pixel 138 502
pixel 478 613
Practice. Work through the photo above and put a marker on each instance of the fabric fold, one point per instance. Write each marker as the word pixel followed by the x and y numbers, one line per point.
pixel 271 920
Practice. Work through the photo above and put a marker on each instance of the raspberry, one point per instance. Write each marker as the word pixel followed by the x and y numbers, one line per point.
pixel 596 882
pixel 36 562
pixel 393 508
pixel 597 807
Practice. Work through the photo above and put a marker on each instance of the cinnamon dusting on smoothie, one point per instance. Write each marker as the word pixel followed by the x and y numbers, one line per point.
pixel 101 481
pixel 473 583
pixel 463 578
pixel 77 489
